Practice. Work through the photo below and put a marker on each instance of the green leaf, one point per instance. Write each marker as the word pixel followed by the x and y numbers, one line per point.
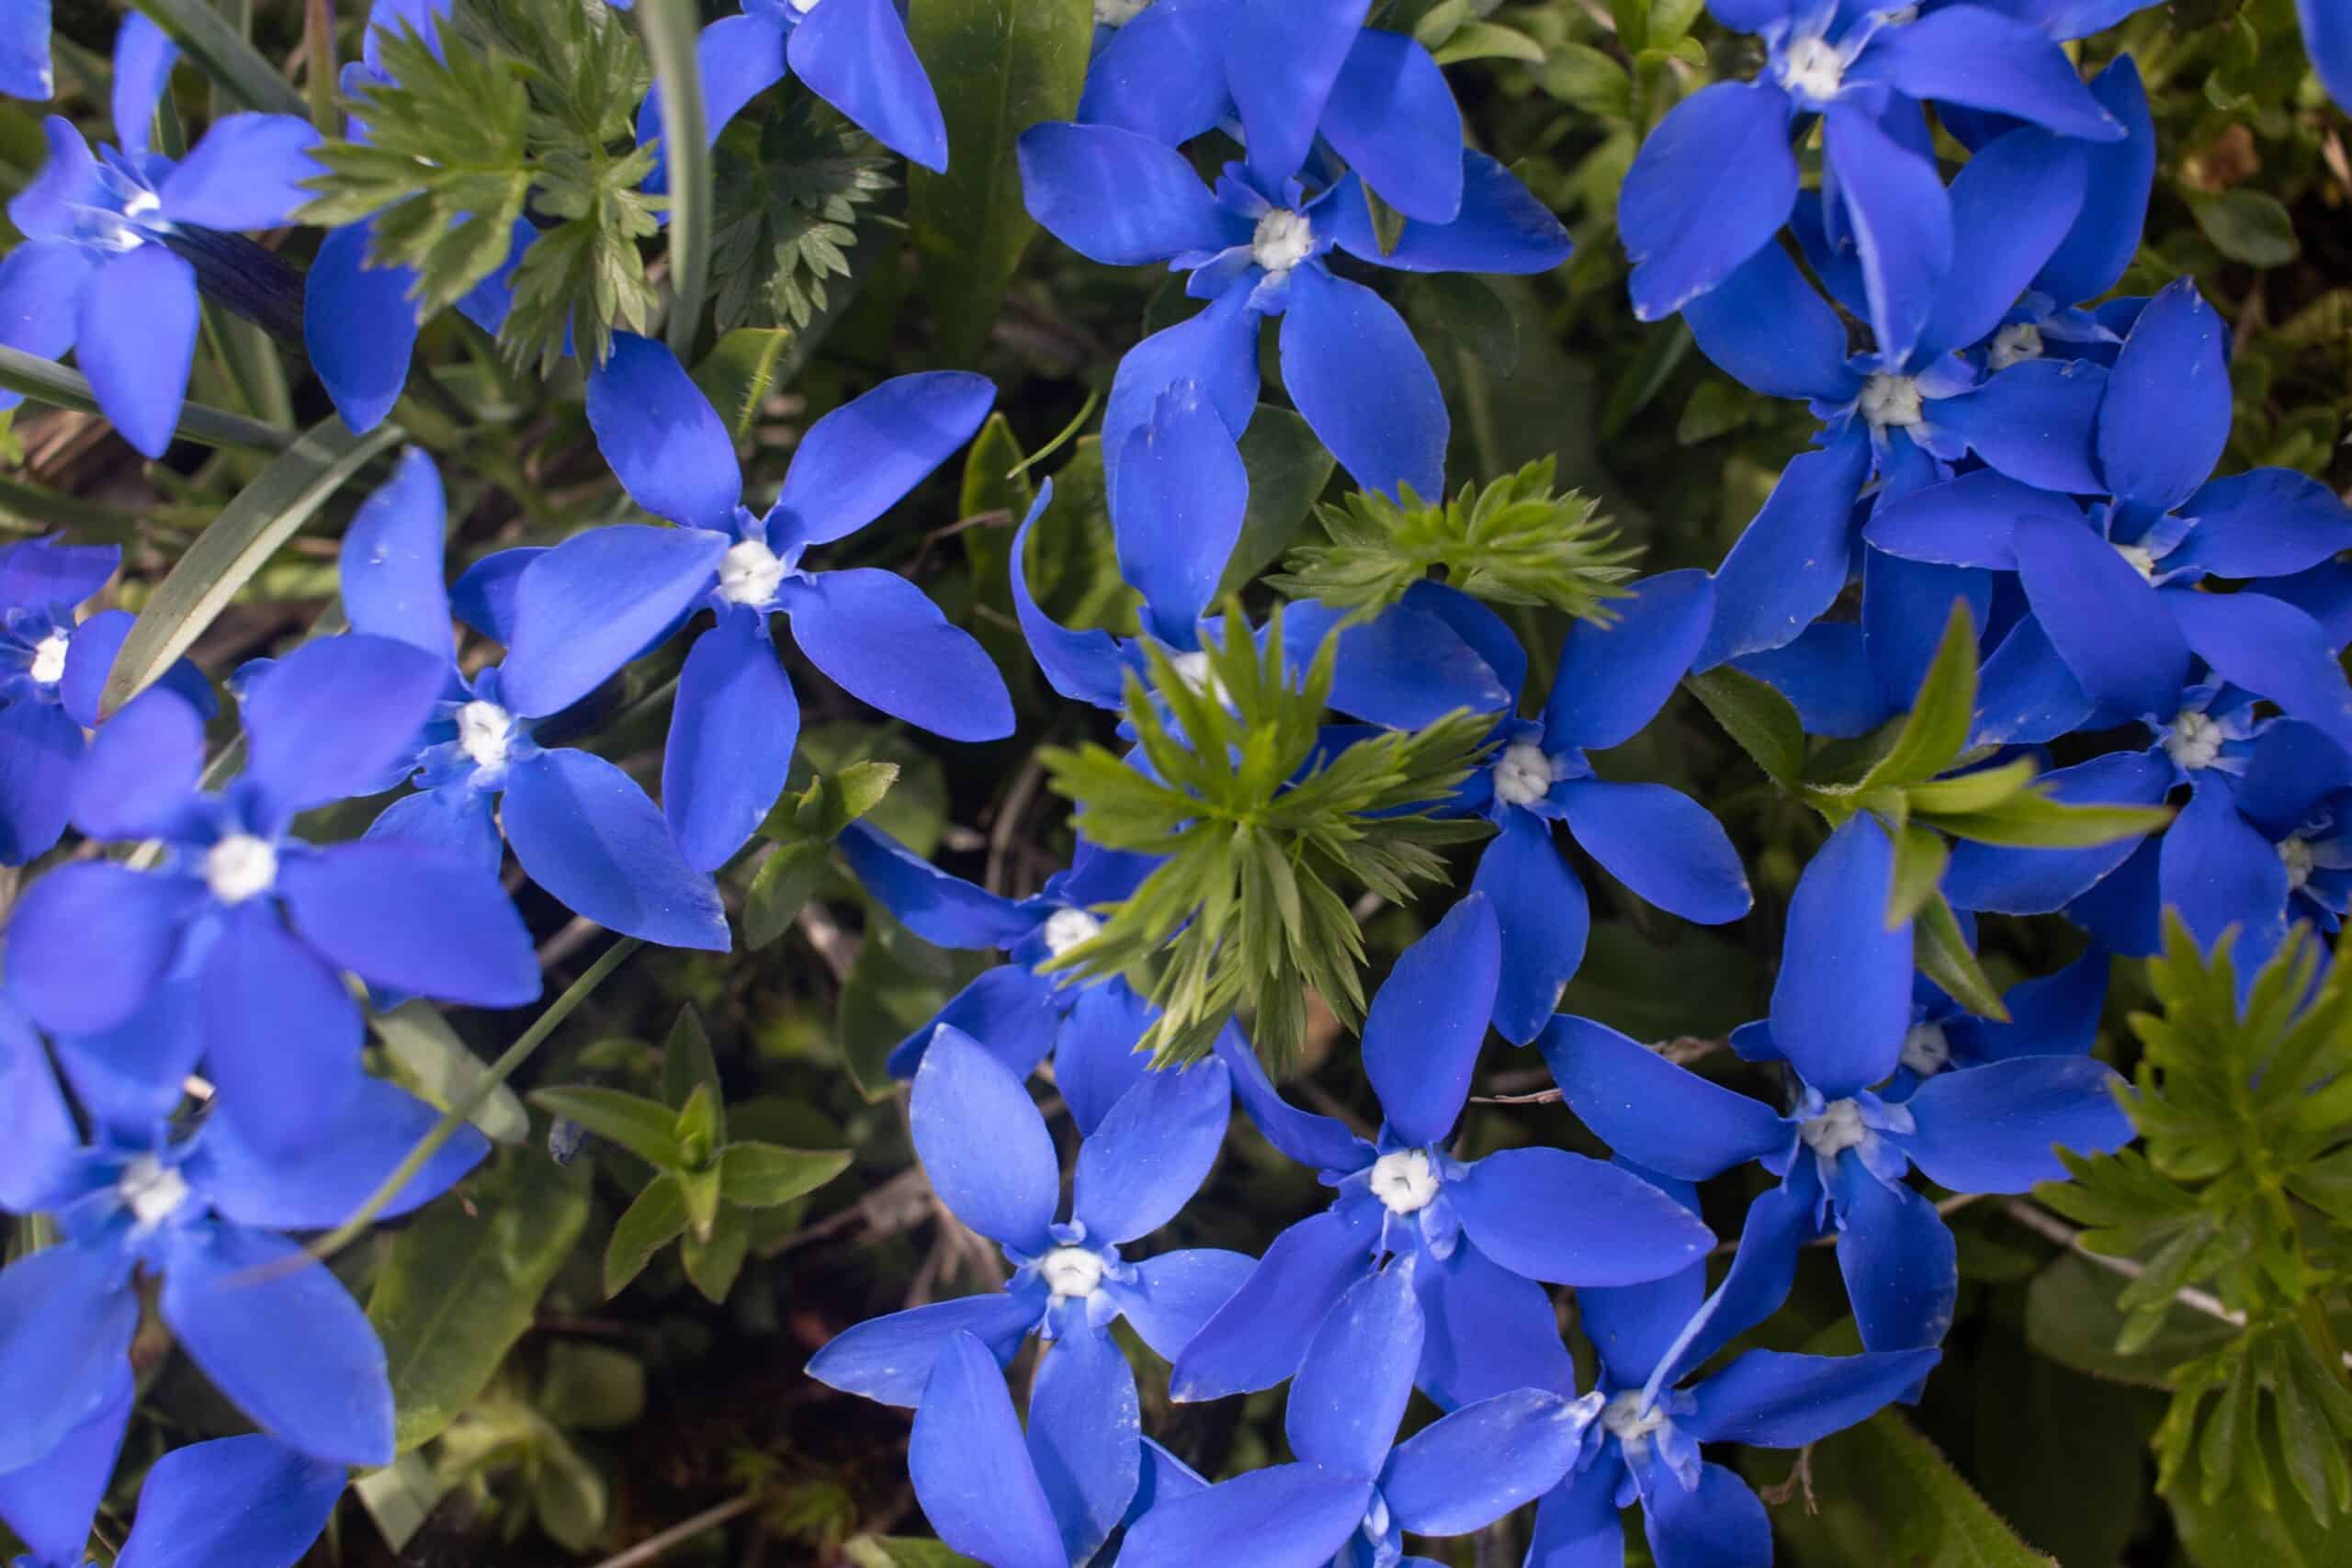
pixel 60 387
pixel 206 36
pixel 712 1261
pixel 1288 467
pixel 699 1188
pixel 738 374
pixel 1000 67
pixel 838 799
pixel 2246 225
pixel 645 1227
pixel 687 1065
pixel 593 1387
pixel 700 1129
pixel 2071 1317
pixel 647 1128
pixel 1936 727
pixel 1920 857
pixel 1763 723
pixel 903 1552
pixel 459 1286
pixel 787 879
pixel 994 482
pixel 794 186
pixel 1885 1495
pixel 671 29
pixel 1475 316
pixel 568 1494
pixel 1975 791
pixel 400 1496
pixel 761 1176
pixel 884 999
pixel 2031 818
pixel 1488 41
pixel 1943 956
pixel 429 1054
pixel 263 516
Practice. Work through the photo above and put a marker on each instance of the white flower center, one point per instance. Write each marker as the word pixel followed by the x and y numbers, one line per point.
pixel 486 730
pixel 1628 1419
pixel 239 867
pixel 749 573
pixel 2295 853
pixel 1118 13
pixel 1283 240
pixel 1523 774
pixel 1065 929
pixel 2141 558
pixel 1405 1181
pixel 1837 1129
pixel 1890 400
pixel 1071 1270
pixel 2017 342
pixel 804 6
pixel 49 659
pixel 2194 741
pixel 141 203
pixel 1925 1049
pixel 151 1190
pixel 1811 69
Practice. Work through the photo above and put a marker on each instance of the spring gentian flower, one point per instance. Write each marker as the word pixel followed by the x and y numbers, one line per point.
pixel 991 1161
pixel 1611 681
pixel 1255 247
pixel 598 599
pixel 359 323
pixel 1841 1012
pixel 581 826
pixel 2051 1015
pixel 98 273
pixel 23 52
pixel 262 923
pixel 1717 177
pixel 855 54
pixel 52 669
pixel 1485 1232
pixel 1354 1490
pixel 252 1500
pixel 272 1328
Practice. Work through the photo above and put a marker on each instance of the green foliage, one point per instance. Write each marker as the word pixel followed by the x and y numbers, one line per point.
pixel 803 828
pixel 1879 1493
pixel 2243 1189
pixel 793 186
pixel 526 107
pixel 1514 542
pixel 1260 827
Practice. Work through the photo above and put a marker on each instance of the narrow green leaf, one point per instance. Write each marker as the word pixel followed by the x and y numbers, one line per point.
pixel 738 374
pixel 712 1262
pixel 250 529
pixel 1920 857
pixel 1937 725
pixel 1288 467
pixel 1488 41
pixel 1976 791
pixel 429 1052
pixel 1762 721
pixel 645 1227
pixel 36 379
pixel 460 1285
pixel 761 1175
pixel 1885 1495
pixel 2032 819
pixel 903 1552
pixel 671 29
pixel 1943 956
pixel 687 1063
pixel 699 1128
pixel 647 1128
pixel 836 800
pixel 784 882
pixel 207 38
pixel 999 67
pixel 699 1188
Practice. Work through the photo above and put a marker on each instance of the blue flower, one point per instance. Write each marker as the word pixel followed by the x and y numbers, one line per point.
pixel 52 669
pixel 1718 175
pixel 855 54
pixel 991 1161
pixel 1841 1014
pixel 252 1500
pixel 1485 1232
pixel 97 274
pixel 581 826
pixel 359 321
pixel 1256 246
pixel 597 601
pixel 23 52
pixel 2327 39
pixel 1354 1490
pixel 2053 1015
pixel 258 924
pixel 1611 681
pixel 272 1328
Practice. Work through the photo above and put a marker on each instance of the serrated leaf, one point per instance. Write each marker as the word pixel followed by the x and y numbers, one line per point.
pixel 647 1128
pixel 1764 722
pixel 656 1219
pixel 761 1176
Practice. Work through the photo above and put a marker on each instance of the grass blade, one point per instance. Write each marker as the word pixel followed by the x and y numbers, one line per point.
pixel 207 38
pixel 60 388
pixel 669 30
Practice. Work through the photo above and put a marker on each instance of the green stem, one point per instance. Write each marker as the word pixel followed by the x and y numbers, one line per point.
pixel 317 37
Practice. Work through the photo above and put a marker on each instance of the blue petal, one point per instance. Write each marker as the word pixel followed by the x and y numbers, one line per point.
pixel 2034 422
pixel 1422 1034
pixel 1163 75
pixel 390 569
pixel 2219 872
pixel 590 604
pixel 1392 117
pixel 1632 1328
pixel 1662 844
pixel 1555 1216
pixel 1899 1259
pixel 414 918
pixel 281 1337
pixel 1143 1164
pixel 1256 1339
pixel 483 595
pixel 2115 202
pixel 50 207
pixel 1613 680
pixel 66 1317
pixel 1770 331
pixel 1287 1515
pixel 2011 206
pixel 1319 1143
pixel 1177 511
pixel 336 717
pixel 1085 666
pixel 39 747
pixel 1173 1294
pixel 252 1501
pixel 971 1471
pixel 1651 1111
pixel 358 327
pixel 1576 1524
pixel 2327 39
pixel 1085 1435
pixel 937 907
pixel 2123 909
pixel 25 72
pixel 1975 56
pixel 1464 1471
pixel 1362 383
pixel 71 985
pixel 2052 1015
pixel 1502 228
pixel 50 575
pixel 885 643
pixel 144 55
pixel 1095 1059
pixel 1496 646
pixel 740 57
pixel 281 1034
pixel 1774 1400
pixel 2001 879
pixel 1906 607
pixel 129 1078
pixel 1008 1008
pixel 859 460
pixel 1901 217
pixel 1544 919
pixel 1117 197
pixel 1357 1376
pixel 1405 668
pixel 457 819
pixel 855 54
pixel 1486 1330
pixel 983 1145
pixel 1961 522
pixel 1843 997
pixel 2270 648
pixel 1282 59
pixel 1720 1523
pixel 246 173
pixel 2268 522
pixel 1792 561
pixel 1712 184
pixel 2109 625
pixel 52 1502
pixel 1827 676
pixel 2166 419
pixel 323 1185
pixel 661 436
pixel 135 337
pixel 40 297
pixel 585 832
pixel 1991 1129
pixel 37 1135
pixel 732 725
pixel 1778 1222
pixel 1218 349
pixel 2293 767
pixel 888 1359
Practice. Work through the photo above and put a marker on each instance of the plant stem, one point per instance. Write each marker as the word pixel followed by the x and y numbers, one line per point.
pixel 652 1547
